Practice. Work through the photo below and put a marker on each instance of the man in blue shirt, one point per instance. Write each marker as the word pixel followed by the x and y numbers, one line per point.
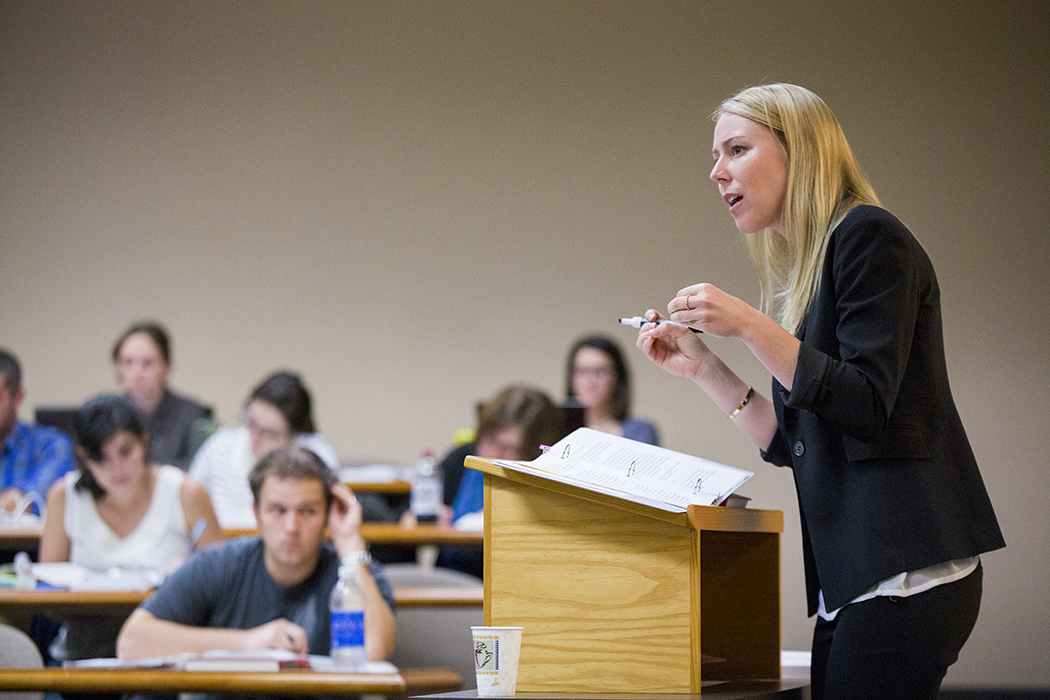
pixel 33 456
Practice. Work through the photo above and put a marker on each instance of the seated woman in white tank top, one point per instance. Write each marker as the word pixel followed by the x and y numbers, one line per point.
pixel 116 510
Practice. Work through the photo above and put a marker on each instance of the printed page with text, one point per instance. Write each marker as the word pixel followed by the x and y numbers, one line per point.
pixel 634 471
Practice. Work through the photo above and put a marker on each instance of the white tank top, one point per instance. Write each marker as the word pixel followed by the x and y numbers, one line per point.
pixel 159 542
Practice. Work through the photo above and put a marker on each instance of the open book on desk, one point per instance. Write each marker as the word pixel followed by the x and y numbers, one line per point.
pixel 634 471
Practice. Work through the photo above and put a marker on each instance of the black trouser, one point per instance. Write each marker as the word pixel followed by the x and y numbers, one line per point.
pixel 894 648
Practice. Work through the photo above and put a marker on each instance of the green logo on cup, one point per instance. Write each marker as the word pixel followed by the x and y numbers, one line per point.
pixel 486 654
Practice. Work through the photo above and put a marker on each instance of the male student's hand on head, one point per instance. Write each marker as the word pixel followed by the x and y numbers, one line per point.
pixel 344 521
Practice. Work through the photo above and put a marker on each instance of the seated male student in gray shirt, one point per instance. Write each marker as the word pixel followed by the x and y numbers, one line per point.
pixel 269 592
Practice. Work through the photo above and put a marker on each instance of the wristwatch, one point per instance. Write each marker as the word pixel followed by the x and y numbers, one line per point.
pixel 362 557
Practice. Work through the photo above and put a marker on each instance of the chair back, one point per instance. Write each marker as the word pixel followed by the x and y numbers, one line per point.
pixel 437 636
pixel 17 650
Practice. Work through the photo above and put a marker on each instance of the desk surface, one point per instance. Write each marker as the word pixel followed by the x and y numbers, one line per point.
pixel 397 486
pixel 86 602
pixel 394 533
pixel 15 538
pixel 64 603
pixel 27 537
pixel 723 690
pixel 283 682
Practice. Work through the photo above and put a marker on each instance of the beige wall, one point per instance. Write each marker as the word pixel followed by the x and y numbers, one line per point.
pixel 415 203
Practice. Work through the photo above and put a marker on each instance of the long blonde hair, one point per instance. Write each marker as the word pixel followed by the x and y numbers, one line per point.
pixel 824 182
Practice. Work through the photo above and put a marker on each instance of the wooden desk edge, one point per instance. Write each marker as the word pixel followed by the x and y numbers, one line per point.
pixel 91 601
pixel 28 537
pixel 12 597
pixel 168 680
pixel 410 680
pixel 397 486
pixel 394 533
pixel 431 680
pixel 425 533
pixel 440 597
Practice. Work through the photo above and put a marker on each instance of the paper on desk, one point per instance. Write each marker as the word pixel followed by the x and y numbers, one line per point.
pixel 634 471
pixel 60 574
pixel 317 663
pixel 324 663
pixel 78 578
pixel 373 473
pixel 471 521
pixel 22 519
pixel 154 662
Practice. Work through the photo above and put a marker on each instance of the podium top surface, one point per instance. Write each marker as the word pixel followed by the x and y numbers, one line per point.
pixel 718 518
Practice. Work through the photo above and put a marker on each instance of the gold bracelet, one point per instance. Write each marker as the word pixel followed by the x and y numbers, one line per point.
pixel 747 398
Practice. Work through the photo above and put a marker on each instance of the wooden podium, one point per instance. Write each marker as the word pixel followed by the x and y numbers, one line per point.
pixel 620 597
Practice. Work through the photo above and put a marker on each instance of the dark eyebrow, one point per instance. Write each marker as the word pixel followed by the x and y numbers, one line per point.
pixel 318 503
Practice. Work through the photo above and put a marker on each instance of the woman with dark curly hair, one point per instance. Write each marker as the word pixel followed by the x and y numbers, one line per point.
pixel 118 510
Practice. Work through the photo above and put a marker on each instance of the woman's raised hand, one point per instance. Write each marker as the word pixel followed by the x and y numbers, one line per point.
pixel 672 347
pixel 709 309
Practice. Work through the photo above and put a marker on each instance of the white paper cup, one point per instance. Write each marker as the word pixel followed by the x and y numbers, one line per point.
pixel 496 652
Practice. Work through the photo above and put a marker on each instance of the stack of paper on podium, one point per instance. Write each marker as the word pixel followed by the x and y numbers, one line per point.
pixel 625 579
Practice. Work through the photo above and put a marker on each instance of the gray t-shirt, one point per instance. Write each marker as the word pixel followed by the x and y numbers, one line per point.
pixel 227 586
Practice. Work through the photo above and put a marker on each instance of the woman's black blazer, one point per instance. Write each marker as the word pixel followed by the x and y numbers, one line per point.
pixel 885 476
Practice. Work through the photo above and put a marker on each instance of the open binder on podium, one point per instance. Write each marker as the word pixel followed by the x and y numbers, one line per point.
pixel 634 471
pixel 623 592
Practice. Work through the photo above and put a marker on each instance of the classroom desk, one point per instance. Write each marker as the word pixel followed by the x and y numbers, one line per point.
pixel 146 680
pixel 471 596
pixel 27 537
pixel 396 487
pixel 397 534
pixel 61 604
pixel 424 533
pixel 19 538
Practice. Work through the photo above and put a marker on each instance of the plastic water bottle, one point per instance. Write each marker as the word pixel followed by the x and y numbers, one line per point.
pixel 24 578
pixel 347 608
pixel 425 500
